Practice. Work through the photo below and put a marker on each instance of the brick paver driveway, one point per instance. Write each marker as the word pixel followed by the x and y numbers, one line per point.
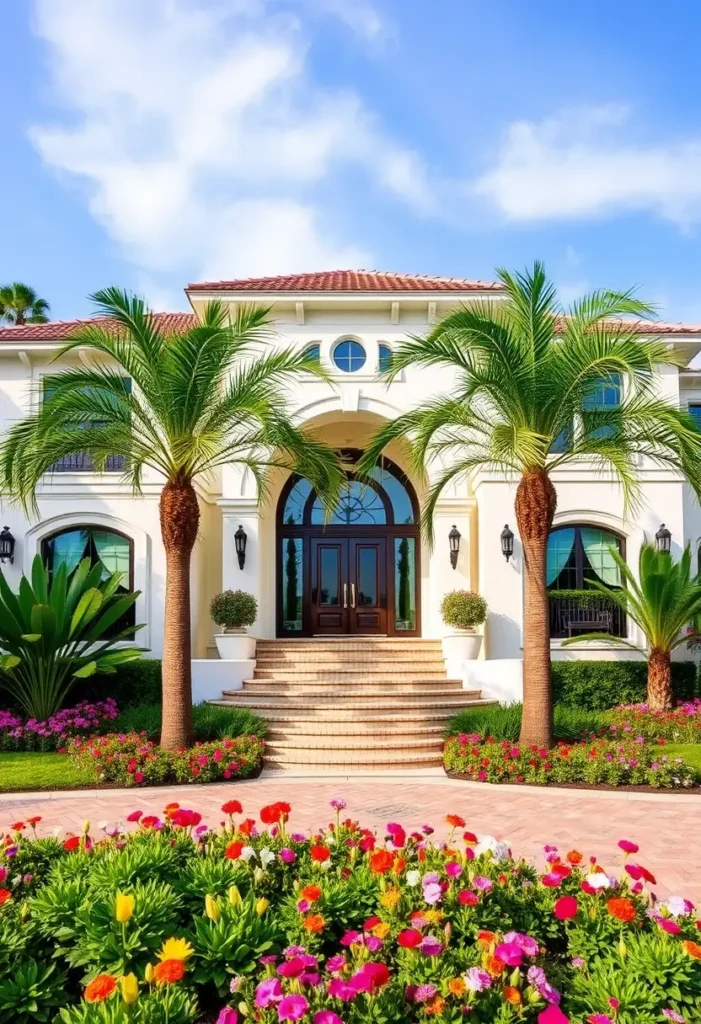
pixel 666 826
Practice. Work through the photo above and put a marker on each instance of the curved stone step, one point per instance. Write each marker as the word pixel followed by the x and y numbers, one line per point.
pixel 397 697
pixel 350 685
pixel 283 731
pixel 333 672
pixel 349 760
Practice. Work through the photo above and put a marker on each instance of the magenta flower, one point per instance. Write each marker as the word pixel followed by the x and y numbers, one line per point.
pixel 477 980
pixel 269 991
pixel 553 1015
pixel 673 1015
pixel 292 1008
pixel 528 944
pixel 510 952
pixel 327 1017
pixel 482 883
pixel 599 1018
pixel 343 990
pixel 627 846
pixel 336 963
pixel 291 968
pixel 287 856
pixel 453 869
pixel 351 937
pixel 423 993
pixel 430 946
pixel 338 803
pixel 228 1016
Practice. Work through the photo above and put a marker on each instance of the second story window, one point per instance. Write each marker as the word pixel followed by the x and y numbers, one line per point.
pixel 695 411
pixel 385 358
pixel 80 462
pixel 349 356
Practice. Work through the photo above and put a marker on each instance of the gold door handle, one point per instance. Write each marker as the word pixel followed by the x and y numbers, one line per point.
pixel 352 595
pixel 345 595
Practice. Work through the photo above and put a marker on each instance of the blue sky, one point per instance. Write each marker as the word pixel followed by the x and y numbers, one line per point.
pixel 150 144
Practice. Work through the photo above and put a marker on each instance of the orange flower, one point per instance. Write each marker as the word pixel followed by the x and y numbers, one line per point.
pixel 314 923
pixel 486 938
pixel 5 895
pixel 457 987
pixel 512 995
pixel 574 857
pixel 692 948
pixel 100 988
pixel 455 821
pixel 399 865
pixel 233 850
pixel 168 972
pixel 435 1006
pixel 621 908
pixel 381 861
pixel 311 893
pixel 381 930
pixel 170 810
pixel 494 965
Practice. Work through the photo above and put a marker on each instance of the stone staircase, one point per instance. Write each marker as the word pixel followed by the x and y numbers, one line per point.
pixel 352 702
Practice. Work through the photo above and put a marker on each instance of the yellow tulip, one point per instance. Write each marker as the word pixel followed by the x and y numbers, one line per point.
pixel 211 908
pixel 261 906
pixel 129 987
pixel 148 974
pixel 124 907
pixel 235 898
pixel 86 827
pixel 175 949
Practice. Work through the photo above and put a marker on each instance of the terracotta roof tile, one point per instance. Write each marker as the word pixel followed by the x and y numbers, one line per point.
pixel 61 330
pixel 348 281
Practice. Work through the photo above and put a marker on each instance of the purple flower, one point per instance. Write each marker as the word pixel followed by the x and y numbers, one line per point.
pixel 485 884
pixel 287 855
pixel 227 1015
pixel 433 893
pixel 423 993
pixel 477 980
pixel 336 963
pixel 292 1008
pixel 269 991
pixel 430 946
pixel 338 803
pixel 536 978
pixel 529 945
pixel 673 1015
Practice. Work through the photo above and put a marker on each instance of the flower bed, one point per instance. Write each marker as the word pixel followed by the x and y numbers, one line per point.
pixel 18 734
pixel 680 725
pixel 131 759
pixel 596 762
pixel 175 923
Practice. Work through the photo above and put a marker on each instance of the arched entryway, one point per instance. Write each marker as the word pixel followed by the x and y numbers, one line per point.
pixel 358 572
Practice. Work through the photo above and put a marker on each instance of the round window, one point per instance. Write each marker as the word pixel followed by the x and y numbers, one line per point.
pixel 349 356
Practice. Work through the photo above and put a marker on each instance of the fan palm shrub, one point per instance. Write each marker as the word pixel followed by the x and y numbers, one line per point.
pixel 20 304
pixel 57 630
pixel 181 405
pixel 665 604
pixel 524 374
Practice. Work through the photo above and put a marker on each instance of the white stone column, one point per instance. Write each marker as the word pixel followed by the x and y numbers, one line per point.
pixel 442 578
pixel 241 512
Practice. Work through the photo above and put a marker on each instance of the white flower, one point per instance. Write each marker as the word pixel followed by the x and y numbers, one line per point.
pixel 497 847
pixel 247 852
pixel 57 830
pixel 103 825
pixel 413 877
pixel 266 856
pixel 678 906
pixel 600 880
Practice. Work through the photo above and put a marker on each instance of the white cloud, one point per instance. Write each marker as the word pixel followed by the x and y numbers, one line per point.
pixel 359 15
pixel 200 140
pixel 579 165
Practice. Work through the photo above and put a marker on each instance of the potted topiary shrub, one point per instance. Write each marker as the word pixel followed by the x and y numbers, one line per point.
pixel 234 611
pixel 463 611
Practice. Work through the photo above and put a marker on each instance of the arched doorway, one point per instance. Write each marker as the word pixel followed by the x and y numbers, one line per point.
pixel 357 573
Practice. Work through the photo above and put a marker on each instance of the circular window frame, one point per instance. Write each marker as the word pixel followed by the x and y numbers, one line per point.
pixel 345 340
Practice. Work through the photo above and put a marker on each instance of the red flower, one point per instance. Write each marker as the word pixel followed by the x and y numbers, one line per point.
pixel 621 908
pixel 320 853
pixel 185 818
pixel 274 813
pixel 468 898
pixel 311 893
pixel 233 850
pixel 469 837
pixel 247 826
pixel 410 938
pixel 149 821
pixel 370 923
pixel 72 843
pixel 381 861
pixel 5 895
pixel 627 846
pixel 232 807
pixel 35 820
pixel 134 816
pixel 455 821
pixel 18 826
pixel 168 972
pixel 566 908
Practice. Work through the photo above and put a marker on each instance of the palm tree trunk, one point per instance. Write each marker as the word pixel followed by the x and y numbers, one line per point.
pixel 659 680
pixel 180 516
pixel 535 507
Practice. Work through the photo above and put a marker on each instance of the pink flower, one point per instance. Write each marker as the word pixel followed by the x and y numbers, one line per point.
pixel 453 869
pixel 269 991
pixel 468 898
pixel 343 990
pixel 292 1008
pixel 287 856
pixel 566 908
pixel 599 1018
pixel 673 1015
pixel 327 1017
pixel 552 1015
pixel 228 1016
pixel 671 927
pixel 510 952
pixel 134 816
pixel 627 846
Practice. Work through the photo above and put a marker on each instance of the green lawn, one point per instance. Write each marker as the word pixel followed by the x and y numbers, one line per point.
pixel 691 752
pixel 41 771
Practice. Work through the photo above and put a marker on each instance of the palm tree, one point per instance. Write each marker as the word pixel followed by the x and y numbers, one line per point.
pixel 524 377
pixel 20 304
pixel 664 601
pixel 181 405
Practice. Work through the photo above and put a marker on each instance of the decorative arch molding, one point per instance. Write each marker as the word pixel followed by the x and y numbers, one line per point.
pixel 334 403
pixel 142 556
pixel 590 517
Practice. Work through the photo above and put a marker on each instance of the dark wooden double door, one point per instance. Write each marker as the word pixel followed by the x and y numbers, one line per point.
pixel 349 585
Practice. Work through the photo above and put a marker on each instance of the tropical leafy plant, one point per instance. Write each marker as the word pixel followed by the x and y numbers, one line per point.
pixel 182 405
pixel 20 304
pixel 54 631
pixel 524 372
pixel 665 604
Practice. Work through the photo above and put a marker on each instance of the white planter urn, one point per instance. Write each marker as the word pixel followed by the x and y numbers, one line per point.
pixel 235 645
pixel 459 646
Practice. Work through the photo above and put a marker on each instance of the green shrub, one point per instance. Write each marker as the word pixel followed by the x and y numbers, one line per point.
pixel 233 609
pixel 504 723
pixel 463 609
pixel 138 683
pixel 210 722
pixel 597 685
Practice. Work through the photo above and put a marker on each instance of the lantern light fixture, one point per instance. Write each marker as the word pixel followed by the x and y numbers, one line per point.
pixel 663 539
pixel 240 539
pixel 507 542
pixel 7 545
pixel 454 541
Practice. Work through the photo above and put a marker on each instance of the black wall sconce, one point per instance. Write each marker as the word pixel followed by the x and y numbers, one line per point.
pixel 240 539
pixel 454 541
pixel 663 539
pixel 507 542
pixel 7 546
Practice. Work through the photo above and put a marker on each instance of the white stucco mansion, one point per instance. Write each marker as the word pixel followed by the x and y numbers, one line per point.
pixel 367 572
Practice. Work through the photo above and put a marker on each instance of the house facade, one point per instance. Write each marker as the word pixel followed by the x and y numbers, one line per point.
pixel 367 572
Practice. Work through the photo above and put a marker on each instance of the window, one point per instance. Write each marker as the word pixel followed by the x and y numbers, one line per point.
pixel 80 462
pixel 349 356
pixel 115 551
pixel 562 443
pixel 313 353
pixel 359 503
pixel 385 358
pixel 695 412
pixel 606 394
pixel 576 556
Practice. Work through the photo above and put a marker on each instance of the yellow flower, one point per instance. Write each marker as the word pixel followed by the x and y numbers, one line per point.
pixel 433 916
pixel 391 898
pixel 175 949
pixel 148 973
pixel 261 906
pixel 235 898
pixel 381 930
pixel 129 987
pixel 211 908
pixel 86 827
pixel 124 907
pixel 457 987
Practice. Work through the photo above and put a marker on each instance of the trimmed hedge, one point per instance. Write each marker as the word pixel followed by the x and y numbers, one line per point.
pixel 598 685
pixel 138 683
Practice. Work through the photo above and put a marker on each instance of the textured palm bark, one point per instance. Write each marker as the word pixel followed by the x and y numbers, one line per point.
pixel 535 508
pixel 659 680
pixel 180 517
